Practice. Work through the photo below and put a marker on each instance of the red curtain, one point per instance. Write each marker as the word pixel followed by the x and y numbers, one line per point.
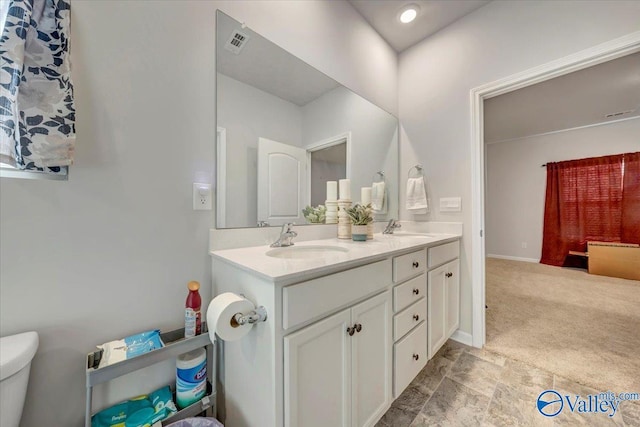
pixel 583 202
pixel 631 199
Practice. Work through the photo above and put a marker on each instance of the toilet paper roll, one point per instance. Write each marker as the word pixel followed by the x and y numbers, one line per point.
pixel 220 316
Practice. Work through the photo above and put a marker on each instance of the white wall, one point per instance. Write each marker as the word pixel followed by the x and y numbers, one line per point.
pixel 374 138
pixel 495 41
pixel 109 252
pixel 248 114
pixel 516 183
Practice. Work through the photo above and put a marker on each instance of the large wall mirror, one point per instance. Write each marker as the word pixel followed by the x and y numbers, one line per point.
pixel 285 129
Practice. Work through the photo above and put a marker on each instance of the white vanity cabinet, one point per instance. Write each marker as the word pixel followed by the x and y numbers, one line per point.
pixel 341 340
pixel 443 294
pixel 410 314
pixel 337 371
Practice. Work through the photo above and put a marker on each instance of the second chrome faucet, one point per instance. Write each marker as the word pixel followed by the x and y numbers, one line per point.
pixel 392 225
pixel 286 235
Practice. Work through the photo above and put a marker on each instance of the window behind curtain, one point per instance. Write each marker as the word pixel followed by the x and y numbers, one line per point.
pixel 584 201
pixel 631 199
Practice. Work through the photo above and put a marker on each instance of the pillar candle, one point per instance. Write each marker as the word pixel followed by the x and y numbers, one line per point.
pixel 365 195
pixel 332 190
pixel 345 189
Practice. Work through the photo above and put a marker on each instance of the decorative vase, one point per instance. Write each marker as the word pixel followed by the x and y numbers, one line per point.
pixel 359 233
pixel 344 222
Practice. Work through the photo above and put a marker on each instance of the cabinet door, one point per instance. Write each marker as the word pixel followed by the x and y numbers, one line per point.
pixel 317 374
pixel 452 291
pixel 372 359
pixel 437 307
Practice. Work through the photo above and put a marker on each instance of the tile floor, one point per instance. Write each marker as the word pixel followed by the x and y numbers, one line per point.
pixel 465 386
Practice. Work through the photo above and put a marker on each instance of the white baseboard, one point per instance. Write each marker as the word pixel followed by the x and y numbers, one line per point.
pixel 513 258
pixel 462 337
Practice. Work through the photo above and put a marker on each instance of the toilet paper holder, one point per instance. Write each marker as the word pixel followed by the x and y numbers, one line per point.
pixel 254 316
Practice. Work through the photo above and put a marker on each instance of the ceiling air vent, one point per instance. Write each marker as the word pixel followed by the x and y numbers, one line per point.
pixel 618 114
pixel 236 41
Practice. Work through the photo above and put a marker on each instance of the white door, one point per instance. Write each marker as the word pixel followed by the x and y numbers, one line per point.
pixel 282 182
pixel 372 359
pixel 436 315
pixel 452 276
pixel 317 374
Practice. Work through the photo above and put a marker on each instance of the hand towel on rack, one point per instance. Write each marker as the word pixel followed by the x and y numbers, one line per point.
pixel 416 196
pixel 377 196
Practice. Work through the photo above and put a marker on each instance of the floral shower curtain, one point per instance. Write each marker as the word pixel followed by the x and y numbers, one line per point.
pixel 37 113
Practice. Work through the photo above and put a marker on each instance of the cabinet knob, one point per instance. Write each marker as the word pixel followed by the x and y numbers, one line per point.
pixel 351 331
pixel 416 291
pixel 416 317
pixel 416 264
pixel 449 274
pixel 358 327
pixel 415 356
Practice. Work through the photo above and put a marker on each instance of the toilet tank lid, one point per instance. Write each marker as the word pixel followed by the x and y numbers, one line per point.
pixel 16 352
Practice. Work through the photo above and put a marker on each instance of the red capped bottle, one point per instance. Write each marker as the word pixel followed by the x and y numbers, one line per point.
pixel 192 317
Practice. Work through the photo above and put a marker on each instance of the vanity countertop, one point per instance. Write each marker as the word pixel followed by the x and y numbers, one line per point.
pixel 285 271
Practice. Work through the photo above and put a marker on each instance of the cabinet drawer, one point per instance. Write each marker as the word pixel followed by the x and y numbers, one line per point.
pixel 308 300
pixel 414 314
pixel 409 292
pixel 443 253
pixel 409 357
pixel 409 265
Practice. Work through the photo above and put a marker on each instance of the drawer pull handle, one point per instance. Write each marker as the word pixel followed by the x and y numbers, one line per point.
pixel 416 291
pixel 358 327
pixel 416 264
pixel 449 274
pixel 416 317
pixel 351 331
pixel 415 356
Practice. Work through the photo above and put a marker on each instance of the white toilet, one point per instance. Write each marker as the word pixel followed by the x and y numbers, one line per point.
pixel 16 353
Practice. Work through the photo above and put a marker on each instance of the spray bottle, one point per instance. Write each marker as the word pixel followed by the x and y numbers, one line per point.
pixel 192 317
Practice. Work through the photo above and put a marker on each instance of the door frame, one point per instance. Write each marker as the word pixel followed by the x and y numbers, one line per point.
pixel 586 58
pixel 326 143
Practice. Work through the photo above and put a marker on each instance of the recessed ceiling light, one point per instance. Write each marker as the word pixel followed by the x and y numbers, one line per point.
pixel 409 13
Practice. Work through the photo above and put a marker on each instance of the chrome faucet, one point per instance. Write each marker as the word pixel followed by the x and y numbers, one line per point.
pixel 286 234
pixel 392 225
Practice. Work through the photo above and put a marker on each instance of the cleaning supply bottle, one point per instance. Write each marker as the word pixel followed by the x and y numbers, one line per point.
pixel 192 317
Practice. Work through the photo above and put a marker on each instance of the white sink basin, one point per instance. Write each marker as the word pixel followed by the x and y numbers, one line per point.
pixel 305 252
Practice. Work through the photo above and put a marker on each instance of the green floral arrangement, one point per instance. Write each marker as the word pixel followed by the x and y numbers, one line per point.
pixel 315 215
pixel 360 214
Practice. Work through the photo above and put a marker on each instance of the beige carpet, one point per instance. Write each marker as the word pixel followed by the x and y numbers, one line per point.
pixel 579 326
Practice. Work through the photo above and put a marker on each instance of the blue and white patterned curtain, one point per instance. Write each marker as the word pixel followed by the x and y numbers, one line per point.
pixel 37 113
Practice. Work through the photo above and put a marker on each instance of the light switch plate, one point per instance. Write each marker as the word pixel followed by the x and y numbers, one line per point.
pixel 201 197
pixel 450 204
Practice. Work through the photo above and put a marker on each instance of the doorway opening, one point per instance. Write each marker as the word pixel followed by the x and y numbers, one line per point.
pixel 328 160
pixel 596 55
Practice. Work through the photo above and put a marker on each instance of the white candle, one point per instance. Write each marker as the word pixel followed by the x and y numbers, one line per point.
pixel 345 189
pixel 365 195
pixel 332 190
